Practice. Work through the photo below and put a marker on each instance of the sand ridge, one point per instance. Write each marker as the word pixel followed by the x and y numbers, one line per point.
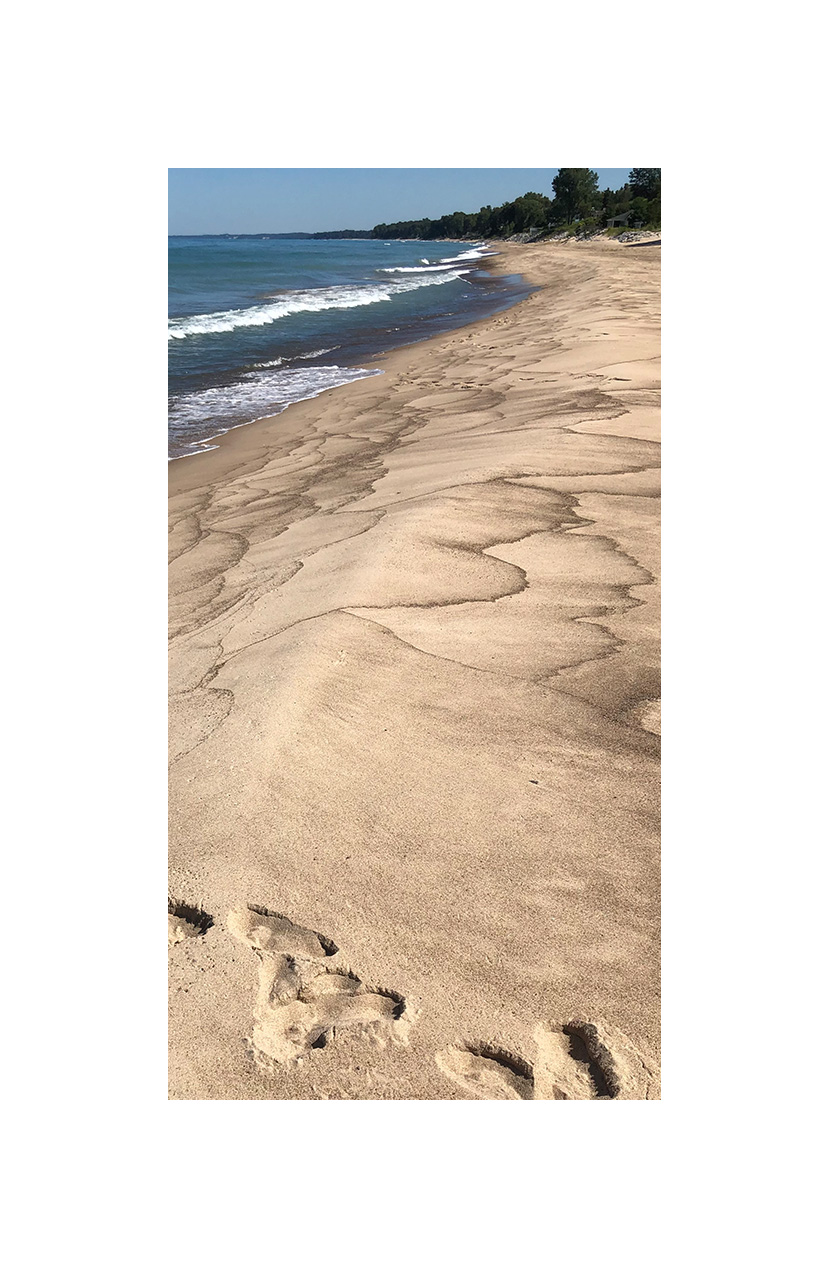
pixel 414 703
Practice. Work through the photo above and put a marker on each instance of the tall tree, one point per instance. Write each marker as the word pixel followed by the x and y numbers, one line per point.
pixel 640 210
pixel 576 191
pixel 645 182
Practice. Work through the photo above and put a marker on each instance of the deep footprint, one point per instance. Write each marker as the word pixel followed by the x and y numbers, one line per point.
pixel 577 1061
pixel 490 1073
pixel 303 1003
pixel 184 921
pixel 571 1065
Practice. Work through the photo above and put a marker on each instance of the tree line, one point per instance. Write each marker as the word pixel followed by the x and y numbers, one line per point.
pixel 577 205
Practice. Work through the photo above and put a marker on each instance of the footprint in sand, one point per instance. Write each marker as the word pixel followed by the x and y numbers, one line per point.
pixel 184 921
pixel 578 1061
pixel 303 1001
pixel 491 1073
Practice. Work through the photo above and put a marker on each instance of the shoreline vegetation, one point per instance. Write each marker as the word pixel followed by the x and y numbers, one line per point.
pixel 414 675
pixel 577 209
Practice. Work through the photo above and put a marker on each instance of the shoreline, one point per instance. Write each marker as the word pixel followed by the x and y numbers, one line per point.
pixel 177 457
pixel 367 364
pixel 385 361
pixel 415 681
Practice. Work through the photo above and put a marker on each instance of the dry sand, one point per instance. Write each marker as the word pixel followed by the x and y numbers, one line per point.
pixel 415 715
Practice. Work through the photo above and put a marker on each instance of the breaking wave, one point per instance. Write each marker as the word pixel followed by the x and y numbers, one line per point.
pixel 475 253
pixel 310 301
pixel 256 395
pixel 424 268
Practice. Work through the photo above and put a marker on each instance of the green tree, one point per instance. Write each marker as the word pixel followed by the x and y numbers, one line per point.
pixel 484 221
pixel 531 211
pixel 576 191
pixel 645 182
pixel 615 201
pixel 640 210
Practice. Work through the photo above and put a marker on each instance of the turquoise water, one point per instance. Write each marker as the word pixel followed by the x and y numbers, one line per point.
pixel 255 324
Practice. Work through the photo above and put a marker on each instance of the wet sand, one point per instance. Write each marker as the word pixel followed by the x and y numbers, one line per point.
pixel 415 712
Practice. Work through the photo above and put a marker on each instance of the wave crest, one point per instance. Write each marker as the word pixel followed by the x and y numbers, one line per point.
pixel 311 301
pixel 425 268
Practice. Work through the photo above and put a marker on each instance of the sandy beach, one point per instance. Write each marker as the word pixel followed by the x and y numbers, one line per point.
pixel 414 676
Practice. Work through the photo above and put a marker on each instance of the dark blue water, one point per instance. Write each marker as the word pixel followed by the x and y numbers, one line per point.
pixel 257 324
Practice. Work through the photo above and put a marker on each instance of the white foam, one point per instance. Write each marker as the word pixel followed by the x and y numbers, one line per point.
pixel 311 301
pixel 319 352
pixel 257 395
pixel 475 253
pixel 427 268
pixel 300 356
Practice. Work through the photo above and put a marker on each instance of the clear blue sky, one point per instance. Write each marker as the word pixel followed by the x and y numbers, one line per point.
pixel 308 199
